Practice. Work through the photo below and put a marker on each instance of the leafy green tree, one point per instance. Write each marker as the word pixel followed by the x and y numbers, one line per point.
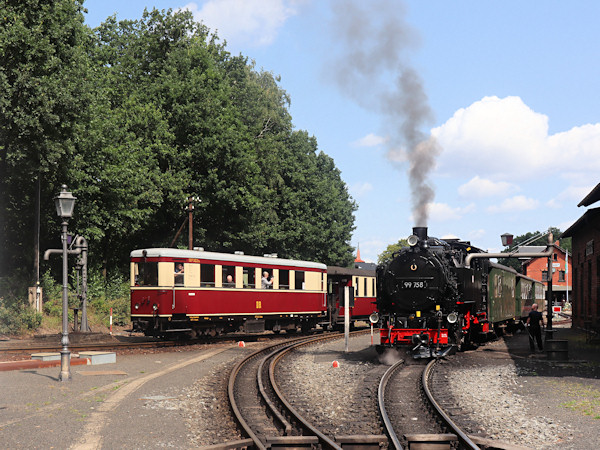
pixel 44 97
pixel 388 253
pixel 228 137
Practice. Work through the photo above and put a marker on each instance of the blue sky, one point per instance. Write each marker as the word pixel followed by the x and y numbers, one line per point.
pixel 508 91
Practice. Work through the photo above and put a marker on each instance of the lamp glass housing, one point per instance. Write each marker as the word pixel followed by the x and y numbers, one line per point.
pixel 65 203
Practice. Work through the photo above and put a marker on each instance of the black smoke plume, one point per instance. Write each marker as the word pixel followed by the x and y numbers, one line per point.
pixel 372 39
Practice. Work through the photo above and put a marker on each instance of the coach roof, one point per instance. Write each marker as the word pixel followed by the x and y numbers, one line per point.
pixel 225 257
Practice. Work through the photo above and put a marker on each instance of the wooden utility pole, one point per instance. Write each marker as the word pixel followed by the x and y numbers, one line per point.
pixel 190 223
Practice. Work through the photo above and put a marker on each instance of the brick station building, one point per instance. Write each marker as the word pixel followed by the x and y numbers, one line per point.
pixel 537 268
pixel 585 233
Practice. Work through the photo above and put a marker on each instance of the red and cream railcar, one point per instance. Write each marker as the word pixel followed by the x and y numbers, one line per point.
pixel 363 294
pixel 200 292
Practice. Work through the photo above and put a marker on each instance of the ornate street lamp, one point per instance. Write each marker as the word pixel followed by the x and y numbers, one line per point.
pixel 65 203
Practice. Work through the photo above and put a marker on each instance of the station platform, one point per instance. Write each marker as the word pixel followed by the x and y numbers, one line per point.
pixel 114 405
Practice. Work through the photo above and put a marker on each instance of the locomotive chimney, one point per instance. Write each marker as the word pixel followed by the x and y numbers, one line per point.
pixel 421 233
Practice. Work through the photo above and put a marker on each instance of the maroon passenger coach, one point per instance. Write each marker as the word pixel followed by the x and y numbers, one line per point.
pixel 194 292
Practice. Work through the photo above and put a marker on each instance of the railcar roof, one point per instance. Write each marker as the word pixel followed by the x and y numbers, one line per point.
pixel 227 257
pixel 336 270
pixel 503 267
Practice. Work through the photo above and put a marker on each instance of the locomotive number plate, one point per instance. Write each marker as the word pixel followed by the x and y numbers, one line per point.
pixel 414 284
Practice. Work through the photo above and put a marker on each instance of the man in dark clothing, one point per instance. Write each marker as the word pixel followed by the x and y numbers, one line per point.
pixel 535 322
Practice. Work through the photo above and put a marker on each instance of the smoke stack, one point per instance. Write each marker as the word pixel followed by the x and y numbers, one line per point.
pixel 421 233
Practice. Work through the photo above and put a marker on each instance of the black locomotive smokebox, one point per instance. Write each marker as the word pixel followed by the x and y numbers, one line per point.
pixel 420 232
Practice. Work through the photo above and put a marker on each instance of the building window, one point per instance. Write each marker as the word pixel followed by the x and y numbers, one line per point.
pixel 561 275
pixel 555 256
pixel 544 275
pixel 589 248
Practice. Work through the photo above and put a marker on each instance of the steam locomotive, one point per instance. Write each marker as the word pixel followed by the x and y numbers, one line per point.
pixel 430 299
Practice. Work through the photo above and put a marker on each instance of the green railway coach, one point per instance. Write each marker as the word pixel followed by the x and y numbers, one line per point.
pixel 502 304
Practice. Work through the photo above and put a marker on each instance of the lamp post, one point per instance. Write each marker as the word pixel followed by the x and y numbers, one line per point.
pixel 65 203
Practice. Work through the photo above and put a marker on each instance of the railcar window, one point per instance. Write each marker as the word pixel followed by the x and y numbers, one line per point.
pixel 270 279
pixel 178 273
pixel 365 291
pixel 284 279
pixel 146 274
pixel 299 279
pixel 356 287
pixel 207 275
pixel 374 293
pixel 249 282
pixel 229 276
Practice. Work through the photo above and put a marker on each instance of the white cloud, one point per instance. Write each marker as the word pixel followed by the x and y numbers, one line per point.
pixel 442 212
pixel 570 195
pixel 474 235
pixel 505 139
pixel 370 140
pixel 480 187
pixel 360 189
pixel 249 22
pixel 514 204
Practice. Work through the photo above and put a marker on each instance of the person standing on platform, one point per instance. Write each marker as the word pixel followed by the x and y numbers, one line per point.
pixel 535 322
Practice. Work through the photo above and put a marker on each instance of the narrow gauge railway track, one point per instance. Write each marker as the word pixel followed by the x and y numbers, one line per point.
pixel 275 422
pixel 103 343
pixel 440 406
pixel 403 406
pixel 412 414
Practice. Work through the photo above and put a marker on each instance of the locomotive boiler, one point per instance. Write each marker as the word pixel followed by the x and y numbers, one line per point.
pixel 429 299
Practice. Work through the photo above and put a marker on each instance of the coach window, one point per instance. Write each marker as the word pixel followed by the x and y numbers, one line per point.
pixel 207 275
pixel 270 279
pixel 374 292
pixel 299 279
pixel 249 282
pixel 365 291
pixel 178 274
pixel 284 279
pixel 229 276
pixel 146 274
pixel 356 286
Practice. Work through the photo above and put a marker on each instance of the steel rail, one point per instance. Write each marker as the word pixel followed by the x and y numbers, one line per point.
pixel 462 436
pixel 326 441
pixel 263 392
pixel 389 427
pixel 231 389
pixel 236 411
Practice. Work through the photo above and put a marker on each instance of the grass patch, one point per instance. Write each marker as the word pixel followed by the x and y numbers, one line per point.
pixel 583 399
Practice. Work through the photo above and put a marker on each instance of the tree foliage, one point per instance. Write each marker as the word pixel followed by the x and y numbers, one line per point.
pixel 135 116
pixel 388 253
